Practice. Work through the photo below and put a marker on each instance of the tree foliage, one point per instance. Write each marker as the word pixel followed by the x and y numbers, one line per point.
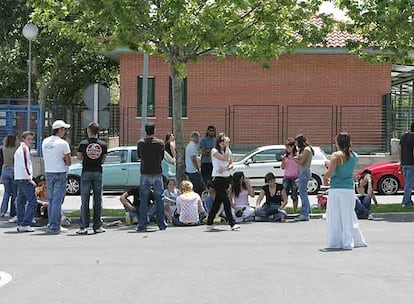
pixel 184 30
pixel 385 26
pixel 62 66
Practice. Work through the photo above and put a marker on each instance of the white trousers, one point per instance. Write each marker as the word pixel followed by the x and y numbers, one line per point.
pixel 342 223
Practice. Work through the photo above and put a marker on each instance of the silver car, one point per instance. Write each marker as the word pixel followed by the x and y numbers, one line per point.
pixel 262 160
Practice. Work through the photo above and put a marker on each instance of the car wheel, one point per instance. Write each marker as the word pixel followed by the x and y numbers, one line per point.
pixel 314 184
pixel 388 185
pixel 73 185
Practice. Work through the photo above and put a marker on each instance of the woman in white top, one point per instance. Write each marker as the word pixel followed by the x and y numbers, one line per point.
pixel 190 210
pixel 222 164
pixel 240 192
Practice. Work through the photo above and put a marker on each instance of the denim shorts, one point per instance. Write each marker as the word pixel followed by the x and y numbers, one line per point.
pixel 291 187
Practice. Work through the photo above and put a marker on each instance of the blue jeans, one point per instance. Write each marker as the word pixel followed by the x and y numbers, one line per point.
pixel 197 180
pixel 56 190
pixel 269 213
pixel 155 181
pixel 10 191
pixel 304 176
pixel 91 180
pixel 408 172
pixel 25 203
pixel 363 206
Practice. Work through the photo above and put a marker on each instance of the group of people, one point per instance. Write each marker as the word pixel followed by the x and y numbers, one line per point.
pixel 211 184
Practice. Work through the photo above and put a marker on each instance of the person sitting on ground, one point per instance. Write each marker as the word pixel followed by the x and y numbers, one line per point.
pixel 364 195
pixel 190 210
pixel 132 208
pixel 170 196
pixel 239 198
pixel 276 200
pixel 43 202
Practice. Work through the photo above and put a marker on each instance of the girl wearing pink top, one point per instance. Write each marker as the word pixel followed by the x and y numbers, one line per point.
pixel 291 172
pixel 239 198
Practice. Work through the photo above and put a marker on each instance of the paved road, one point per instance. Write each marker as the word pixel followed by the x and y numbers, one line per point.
pixel 261 263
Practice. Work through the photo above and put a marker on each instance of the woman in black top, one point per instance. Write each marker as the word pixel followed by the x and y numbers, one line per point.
pixel 276 200
pixel 170 144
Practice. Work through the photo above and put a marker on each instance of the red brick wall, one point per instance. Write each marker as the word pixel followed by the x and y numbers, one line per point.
pixel 262 101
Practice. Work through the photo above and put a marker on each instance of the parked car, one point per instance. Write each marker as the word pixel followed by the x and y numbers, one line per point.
pixel 262 160
pixel 387 177
pixel 120 171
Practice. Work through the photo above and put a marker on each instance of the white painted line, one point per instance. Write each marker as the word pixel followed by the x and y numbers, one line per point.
pixel 4 278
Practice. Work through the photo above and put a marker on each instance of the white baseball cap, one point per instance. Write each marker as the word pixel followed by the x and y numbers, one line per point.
pixel 60 124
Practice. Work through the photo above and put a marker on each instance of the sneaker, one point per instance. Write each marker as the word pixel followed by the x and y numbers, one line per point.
pixel 82 231
pixel 235 227
pixel 62 229
pixel 210 227
pixel 99 230
pixel 2 214
pixel 24 229
pixel 370 216
pixel 138 229
pixel 13 219
pixel 65 221
pixel 302 218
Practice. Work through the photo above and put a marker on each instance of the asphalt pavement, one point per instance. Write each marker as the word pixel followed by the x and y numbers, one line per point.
pixel 261 263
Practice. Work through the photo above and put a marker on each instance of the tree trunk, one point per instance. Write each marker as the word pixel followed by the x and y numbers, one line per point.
pixel 177 97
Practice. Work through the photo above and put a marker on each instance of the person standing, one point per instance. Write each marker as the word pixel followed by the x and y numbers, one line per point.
pixel 92 153
pixel 342 224
pixel 304 160
pixel 56 156
pixel 192 168
pixel 407 164
pixel 23 175
pixel 290 172
pixel 206 144
pixel 151 153
pixel 222 164
pixel 10 145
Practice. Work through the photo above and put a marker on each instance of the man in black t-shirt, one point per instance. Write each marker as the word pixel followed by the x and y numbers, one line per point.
pixel 151 153
pixel 92 153
pixel 407 165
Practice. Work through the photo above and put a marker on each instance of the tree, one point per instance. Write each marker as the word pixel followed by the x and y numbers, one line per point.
pixel 384 26
pixel 184 30
pixel 62 67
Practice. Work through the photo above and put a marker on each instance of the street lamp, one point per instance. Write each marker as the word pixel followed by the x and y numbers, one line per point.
pixel 30 32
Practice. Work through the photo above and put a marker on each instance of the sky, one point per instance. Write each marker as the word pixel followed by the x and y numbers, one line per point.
pixel 328 7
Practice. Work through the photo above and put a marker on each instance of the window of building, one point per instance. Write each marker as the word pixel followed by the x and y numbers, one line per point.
pixel 184 102
pixel 150 99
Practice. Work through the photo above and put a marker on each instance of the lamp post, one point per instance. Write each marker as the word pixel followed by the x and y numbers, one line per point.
pixel 30 32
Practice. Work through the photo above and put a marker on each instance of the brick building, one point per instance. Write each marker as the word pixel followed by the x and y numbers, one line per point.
pixel 316 91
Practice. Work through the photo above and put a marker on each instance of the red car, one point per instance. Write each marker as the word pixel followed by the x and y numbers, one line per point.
pixel 387 177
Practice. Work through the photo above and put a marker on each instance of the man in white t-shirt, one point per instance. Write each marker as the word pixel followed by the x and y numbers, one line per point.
pixel 192 166
pixel 57 157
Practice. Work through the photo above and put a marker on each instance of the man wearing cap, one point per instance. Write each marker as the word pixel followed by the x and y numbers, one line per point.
pixel 56 156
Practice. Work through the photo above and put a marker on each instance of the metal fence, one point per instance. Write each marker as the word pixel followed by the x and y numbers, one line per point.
pixel 371 126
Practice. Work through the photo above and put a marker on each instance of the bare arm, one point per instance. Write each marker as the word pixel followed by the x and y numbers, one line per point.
pixel 223 157
pixel 331 169
pixel 283 165
pixel 79 156
pixel 250 189
pixel 67 159
pixel 260 198
pixel 195 162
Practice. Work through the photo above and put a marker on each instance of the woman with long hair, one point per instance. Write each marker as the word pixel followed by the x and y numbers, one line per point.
pixel 10 145
pixel 241 189
pixel 304 160
pixel 290 171
pixel 222 164
pixel 169 148
pixel 342 224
